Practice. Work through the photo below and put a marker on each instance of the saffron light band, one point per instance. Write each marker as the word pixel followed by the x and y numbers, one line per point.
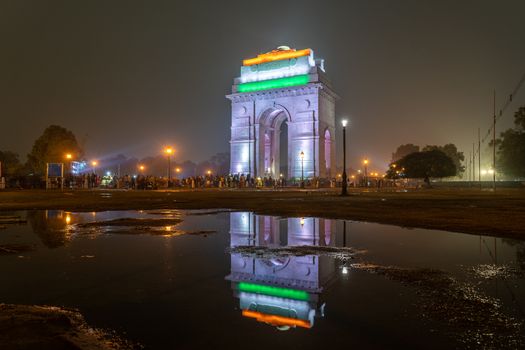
pixel 274 83
pixel 276 320
pixel 276 55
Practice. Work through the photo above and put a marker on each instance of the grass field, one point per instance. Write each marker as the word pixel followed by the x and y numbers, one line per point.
pixel 483 212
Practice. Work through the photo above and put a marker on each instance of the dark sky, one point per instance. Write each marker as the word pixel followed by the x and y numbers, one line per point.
pixel 130 76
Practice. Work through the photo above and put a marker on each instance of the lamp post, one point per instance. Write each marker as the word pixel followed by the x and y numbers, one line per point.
pixel 302 168
pixel 344 190
pixel 94 165
pixel 169 151
pixel 365 162
pixel 69 158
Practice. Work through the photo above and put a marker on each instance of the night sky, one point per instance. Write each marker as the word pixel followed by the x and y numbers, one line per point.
pixel 131 76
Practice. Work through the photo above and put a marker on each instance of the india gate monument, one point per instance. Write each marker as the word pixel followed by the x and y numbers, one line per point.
pixel 283 116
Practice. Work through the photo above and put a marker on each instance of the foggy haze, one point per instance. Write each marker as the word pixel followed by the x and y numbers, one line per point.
pixel 132 76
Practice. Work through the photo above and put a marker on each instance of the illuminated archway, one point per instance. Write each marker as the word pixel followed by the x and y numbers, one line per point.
pixel 284 87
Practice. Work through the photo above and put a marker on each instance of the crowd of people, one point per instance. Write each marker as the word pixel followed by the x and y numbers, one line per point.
pixel 149 182
pixel 143 182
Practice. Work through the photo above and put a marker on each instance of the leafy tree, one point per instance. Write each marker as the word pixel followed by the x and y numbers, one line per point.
pixel 426 165
pixel 452 151
pixel 10 163
pixel 52 146
pixel 404 150
pixel 394 172
pixel 511 147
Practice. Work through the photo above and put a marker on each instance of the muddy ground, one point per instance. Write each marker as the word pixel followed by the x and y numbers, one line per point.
pixel 49 327
pixel 500 213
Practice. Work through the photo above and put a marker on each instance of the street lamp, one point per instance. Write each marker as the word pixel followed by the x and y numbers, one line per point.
pixel 208 172
pixel 344 190
pixel 302 168
pixel 365 162
pixel 141 168
pixel 169 152
pixel 69 157
pixel 94 165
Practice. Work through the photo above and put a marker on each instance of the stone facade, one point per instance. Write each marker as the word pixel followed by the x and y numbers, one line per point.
pixel 308 110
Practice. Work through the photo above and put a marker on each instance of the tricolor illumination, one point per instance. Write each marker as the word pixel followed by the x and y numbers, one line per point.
pixel 274 83
pixel 276 55
pixel 276 320
pixel 274 291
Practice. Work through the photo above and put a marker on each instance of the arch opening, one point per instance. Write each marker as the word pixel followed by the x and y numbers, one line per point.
pixel 273 136
pixel 327 152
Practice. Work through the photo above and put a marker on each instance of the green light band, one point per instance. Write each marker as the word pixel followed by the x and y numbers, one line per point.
pixel 274 291
pixel 274 83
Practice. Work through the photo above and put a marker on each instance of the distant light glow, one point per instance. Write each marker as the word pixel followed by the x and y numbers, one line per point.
pixel 345 270
pixel 274 83
pixel 344 122
pixel 276 320
pixel 276 55
pixel 274 291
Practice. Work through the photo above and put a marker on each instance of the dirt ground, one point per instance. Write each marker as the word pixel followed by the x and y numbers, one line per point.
pixel 500 213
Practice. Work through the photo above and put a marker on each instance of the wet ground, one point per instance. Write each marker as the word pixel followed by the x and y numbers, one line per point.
pixel 173 279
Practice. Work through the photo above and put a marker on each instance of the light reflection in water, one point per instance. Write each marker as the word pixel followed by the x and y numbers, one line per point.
pixel 285 291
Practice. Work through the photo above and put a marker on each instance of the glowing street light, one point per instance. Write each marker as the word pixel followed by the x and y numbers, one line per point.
pixel 169 151
pixel 69 157
pixel 141 168
pixel 344 190
pixel 365 162
pixel 301 155
pixel 208 172
pixel 94 165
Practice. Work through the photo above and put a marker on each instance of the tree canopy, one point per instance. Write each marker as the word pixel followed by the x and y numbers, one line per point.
pixel 426 165
pixel 404 150
pixel 511 147
pixel 452 152
pixel 11 165
pixel 52 146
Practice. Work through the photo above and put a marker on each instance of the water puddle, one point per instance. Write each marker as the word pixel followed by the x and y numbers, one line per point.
pixel 191 279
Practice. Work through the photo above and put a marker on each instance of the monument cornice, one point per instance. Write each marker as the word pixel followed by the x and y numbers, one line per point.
pixel 309 89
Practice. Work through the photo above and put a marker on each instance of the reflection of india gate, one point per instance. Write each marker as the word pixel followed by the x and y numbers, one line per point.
pixel 282 105
pixel 281 291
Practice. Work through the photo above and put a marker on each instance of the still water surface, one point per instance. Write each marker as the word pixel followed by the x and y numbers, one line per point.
pixel 176 290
